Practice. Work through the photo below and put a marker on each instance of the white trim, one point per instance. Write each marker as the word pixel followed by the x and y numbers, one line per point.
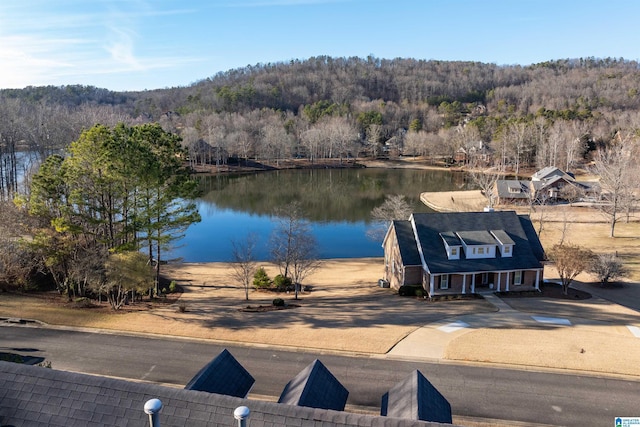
pixel 464 284
pixel 416 237
pixel 538 279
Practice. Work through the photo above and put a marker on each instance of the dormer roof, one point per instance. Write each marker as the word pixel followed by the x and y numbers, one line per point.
pixel 476 238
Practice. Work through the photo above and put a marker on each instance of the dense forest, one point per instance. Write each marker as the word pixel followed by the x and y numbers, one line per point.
pixel 552 113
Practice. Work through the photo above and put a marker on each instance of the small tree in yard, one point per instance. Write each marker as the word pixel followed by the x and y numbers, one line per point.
pixel 570 260
pixel 607 267
pixel 261 279
pixel 243 266
pixel 124 272
pixel 486 182
pixel 293 247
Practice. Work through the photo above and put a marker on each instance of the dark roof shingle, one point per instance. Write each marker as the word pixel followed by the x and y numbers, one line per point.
pixel 527 250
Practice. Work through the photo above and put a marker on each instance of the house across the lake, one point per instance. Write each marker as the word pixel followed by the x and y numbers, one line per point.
pixel 549 184
pixel 464 252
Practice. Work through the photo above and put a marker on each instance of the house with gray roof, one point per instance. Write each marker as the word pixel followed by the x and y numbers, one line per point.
pixel 547 184
pixel 464 252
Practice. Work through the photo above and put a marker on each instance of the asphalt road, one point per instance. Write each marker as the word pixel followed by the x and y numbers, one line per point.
pixel 479 392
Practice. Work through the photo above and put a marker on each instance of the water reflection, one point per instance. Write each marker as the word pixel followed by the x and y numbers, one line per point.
pixel 338 202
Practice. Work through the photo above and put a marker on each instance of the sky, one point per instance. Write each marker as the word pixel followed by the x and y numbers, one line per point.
pixel 125 45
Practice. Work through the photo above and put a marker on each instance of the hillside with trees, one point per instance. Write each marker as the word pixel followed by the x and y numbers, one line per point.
pixel 554 113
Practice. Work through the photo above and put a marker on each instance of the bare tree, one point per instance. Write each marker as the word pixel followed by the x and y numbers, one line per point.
pixel 415 143
pixel 616 168
pixel 293 246
pixel 570 260
pixel 486 181
pixel 607 267
pixel 395 207
pixel 243 265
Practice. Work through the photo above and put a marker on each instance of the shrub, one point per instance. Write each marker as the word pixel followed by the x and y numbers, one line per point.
pixel 173 286
pixel 407 291
pixel 282 282
pixel 419 293
pixel 278 302
pixel 261 279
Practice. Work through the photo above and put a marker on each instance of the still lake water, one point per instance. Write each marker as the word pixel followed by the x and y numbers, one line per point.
pixel 336 202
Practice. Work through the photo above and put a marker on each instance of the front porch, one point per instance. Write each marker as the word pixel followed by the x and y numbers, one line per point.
pixel 473 282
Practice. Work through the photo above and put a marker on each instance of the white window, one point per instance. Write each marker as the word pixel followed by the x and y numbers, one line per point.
pixel 481 251
pixel 517 277
pixel 444 281
pixel 507 249
pixel 454 251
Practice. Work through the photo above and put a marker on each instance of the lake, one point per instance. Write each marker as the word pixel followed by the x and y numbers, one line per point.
pixel 336 202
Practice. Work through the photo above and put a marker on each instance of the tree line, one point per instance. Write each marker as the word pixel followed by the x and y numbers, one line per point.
pixel 556 113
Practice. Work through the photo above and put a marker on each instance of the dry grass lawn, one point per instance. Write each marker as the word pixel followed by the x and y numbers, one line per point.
pixel 346 310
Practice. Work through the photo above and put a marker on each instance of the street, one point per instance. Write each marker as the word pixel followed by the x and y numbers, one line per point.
pixel 473 391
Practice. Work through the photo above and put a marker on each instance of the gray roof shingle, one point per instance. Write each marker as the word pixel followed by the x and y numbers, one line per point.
pixel 407 243
pixel 108 402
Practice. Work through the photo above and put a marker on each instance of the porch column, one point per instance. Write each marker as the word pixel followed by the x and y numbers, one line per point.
pixel 430 285
pixel 538 280
pixel 506 285
pixel 498 285
pixel 464 284
pixel 473 283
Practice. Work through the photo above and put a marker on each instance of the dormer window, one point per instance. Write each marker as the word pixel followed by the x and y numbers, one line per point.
pixel 478 244
pixel 505 243
pixel 452 244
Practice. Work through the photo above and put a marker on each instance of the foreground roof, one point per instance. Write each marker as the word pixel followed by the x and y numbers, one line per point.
pixel 223 375
pixel 36 396
pixel 416 398
pixel 315 387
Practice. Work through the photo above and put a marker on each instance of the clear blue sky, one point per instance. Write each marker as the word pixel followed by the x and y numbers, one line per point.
pixel 150 44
